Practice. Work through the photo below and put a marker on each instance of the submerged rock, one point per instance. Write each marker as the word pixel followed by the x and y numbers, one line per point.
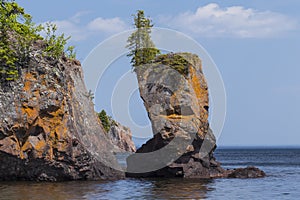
pixel 175 95
pixel 49 129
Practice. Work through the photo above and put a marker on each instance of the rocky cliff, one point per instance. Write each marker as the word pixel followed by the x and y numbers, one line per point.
pixel 121 136
pixel 175 95
pixel 49 129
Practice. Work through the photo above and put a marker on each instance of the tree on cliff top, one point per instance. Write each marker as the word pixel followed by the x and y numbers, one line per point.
pixel 142 49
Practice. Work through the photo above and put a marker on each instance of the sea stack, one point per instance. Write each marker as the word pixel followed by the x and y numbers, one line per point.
pixel 175 94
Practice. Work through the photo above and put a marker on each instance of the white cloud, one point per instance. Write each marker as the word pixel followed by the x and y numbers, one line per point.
pixel 107 25
pixel 69 28
pixel 80 31
pixel 77 17
pixel 236 21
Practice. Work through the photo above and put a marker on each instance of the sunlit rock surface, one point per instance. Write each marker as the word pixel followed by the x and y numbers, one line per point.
pixel 49 129
pixel 121 136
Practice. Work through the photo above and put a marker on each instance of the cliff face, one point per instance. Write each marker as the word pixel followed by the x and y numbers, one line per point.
pixel 121 136
pixel 49 129
pixel 175 94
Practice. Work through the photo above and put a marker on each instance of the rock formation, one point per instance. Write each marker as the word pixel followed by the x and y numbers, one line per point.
pixel 121 136
pixel 175 95
pixel 49 129
pixel 248 172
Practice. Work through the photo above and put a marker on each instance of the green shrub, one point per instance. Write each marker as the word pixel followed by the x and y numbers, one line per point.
pixel 17 35
pixel 105 119
pixel 55 43
pixel 175 61
pixel 71 53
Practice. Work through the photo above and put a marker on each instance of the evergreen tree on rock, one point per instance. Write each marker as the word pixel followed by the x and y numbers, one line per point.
pixel 142 48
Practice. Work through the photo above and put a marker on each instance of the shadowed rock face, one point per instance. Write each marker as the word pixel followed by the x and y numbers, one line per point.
pixel 175 95
pixel 48 127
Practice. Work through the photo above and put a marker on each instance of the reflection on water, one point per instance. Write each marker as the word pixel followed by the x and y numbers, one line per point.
pixel 40 191
pixel 180 188
pixel 122 189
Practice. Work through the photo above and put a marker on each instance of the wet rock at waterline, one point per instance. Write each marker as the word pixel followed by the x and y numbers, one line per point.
pixel 248 172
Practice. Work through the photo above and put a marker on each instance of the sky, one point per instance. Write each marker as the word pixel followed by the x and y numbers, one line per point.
pixel 255 45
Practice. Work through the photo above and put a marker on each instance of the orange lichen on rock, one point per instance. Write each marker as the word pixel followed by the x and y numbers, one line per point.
pixel 51 122
pixel 201 93
pixel 40 148
pixel 31 113
pixel 43 114
pixel 28 81
pixel 174 116
pixel 177 117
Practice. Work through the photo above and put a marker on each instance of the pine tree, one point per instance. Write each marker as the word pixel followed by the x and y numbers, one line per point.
pixel 105 120
pixel 142 49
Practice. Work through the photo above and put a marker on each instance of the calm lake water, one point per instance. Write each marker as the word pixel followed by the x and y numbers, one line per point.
pixel 281 165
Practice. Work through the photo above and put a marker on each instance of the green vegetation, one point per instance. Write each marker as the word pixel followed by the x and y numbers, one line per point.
pixel 55 44
pixel 105 119
pixel 14 51
pixel 175 61
pixel 17 36
pixel 142 49
pixel 71 53
pixel 144 52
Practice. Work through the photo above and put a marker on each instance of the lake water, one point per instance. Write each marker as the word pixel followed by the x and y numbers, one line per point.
pixel 281 165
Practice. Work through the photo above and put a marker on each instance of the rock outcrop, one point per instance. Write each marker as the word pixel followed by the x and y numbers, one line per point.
pixel 248 172
pixel 175 95
pixel 48 128
pixel 121 136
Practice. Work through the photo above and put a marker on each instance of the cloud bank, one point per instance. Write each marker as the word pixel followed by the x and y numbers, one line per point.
pixel 210 20
pixel 214 21
pixel 80 31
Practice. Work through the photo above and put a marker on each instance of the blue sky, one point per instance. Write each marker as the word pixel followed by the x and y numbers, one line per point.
pixel 255 44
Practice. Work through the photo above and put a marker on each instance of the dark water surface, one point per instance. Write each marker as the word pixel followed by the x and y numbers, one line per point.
pixel 281 165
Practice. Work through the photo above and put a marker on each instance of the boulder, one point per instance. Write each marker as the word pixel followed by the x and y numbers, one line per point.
pixel 248 172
